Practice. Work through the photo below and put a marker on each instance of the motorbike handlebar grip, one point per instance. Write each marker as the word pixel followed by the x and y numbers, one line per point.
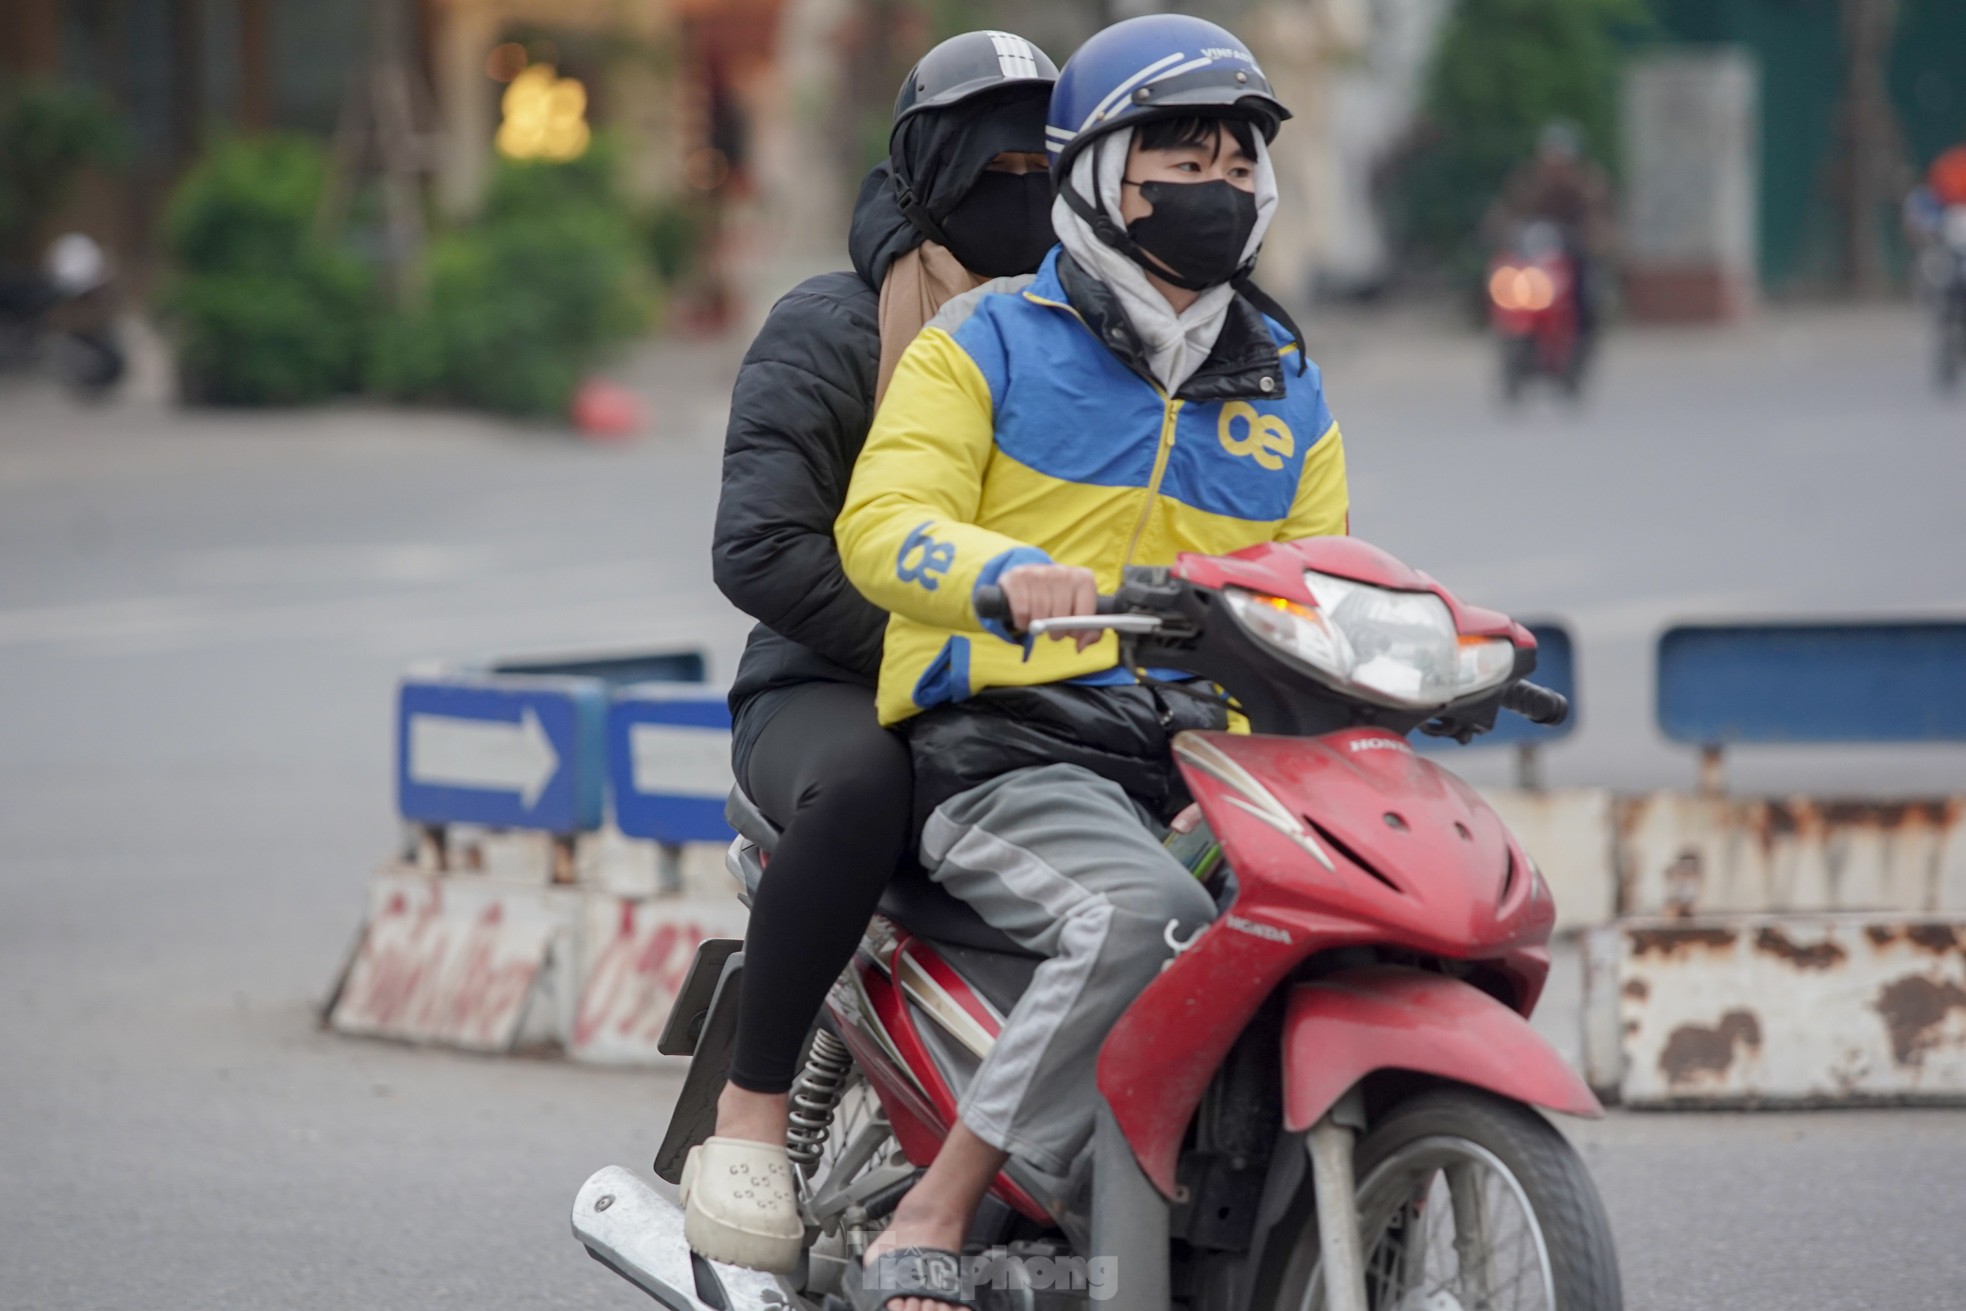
pixel 1538 705
pixel 992 606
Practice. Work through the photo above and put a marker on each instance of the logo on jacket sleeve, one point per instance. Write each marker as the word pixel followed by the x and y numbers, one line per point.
pixel 1263 437
pixel 923 559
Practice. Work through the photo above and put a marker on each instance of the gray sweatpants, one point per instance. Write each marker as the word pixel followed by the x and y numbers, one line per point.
pixel 1058 859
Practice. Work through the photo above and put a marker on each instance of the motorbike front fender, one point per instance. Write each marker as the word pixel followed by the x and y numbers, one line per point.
pixel 1384 1017
pixel 1512 323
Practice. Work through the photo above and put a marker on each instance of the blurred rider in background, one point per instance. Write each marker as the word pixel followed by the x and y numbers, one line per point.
pixel 1562 186
pixel 1944 188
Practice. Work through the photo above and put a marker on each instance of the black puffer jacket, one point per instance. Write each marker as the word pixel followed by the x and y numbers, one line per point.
pixel 798 417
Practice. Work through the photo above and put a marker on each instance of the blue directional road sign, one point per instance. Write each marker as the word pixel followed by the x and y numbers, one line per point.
pixel 669 762
pixel 1556 669
pixel 510 752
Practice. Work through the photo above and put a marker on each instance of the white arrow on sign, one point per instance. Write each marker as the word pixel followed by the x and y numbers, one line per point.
pixel 676 760
pixel 487 754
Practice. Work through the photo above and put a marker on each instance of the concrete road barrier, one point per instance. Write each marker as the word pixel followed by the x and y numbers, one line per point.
pixel 455 961
pixel 1777 1009
pixel 500 964
pixel 634 954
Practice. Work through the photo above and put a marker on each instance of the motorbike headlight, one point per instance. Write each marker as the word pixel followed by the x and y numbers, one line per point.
pixel 1521 288
pixel 1395 648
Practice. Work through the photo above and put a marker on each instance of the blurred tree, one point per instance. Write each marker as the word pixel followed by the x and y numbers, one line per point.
pixel 264 312
pixel 1503 70
pixel 522 302
pixel 1868 172
pixel 48 134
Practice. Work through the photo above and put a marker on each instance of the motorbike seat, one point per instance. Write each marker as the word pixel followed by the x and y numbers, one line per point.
pixel 742 814
pixel 913 900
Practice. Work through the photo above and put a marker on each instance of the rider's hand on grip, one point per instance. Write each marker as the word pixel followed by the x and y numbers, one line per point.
pixel 1052 591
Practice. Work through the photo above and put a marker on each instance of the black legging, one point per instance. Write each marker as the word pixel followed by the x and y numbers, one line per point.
pixel 839 786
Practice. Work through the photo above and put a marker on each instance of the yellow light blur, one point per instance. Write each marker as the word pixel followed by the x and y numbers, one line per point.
pixel 545 116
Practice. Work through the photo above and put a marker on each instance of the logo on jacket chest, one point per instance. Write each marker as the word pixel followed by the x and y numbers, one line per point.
pixel 1264 438
pixel 923 559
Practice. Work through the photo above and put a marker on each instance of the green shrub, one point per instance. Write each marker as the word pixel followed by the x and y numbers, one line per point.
pixel 521 303
pixel 1503 70
pixel 265 312
pixel 48 134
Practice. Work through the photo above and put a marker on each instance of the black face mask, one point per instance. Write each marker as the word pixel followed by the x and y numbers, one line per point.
pixel 1197 229
pixel 1002 225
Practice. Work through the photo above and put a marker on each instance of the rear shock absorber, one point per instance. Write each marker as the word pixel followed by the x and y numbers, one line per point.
pixel 815 1096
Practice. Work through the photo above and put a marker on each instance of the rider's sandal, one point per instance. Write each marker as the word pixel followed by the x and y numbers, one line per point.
pixel 739 1205
pixel 930 1273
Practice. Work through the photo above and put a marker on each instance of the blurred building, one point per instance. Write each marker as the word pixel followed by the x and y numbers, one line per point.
pixel 762 113
pixel 180 71
pixel 681 81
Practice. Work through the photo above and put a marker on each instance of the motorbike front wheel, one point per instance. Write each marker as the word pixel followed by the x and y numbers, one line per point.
pixel 1467 1202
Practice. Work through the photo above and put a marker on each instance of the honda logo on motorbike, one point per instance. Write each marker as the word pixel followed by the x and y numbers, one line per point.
pixel 1380 744
pixel 1258 929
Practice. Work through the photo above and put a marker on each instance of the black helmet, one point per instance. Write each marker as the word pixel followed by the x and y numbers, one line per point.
pixel 968 100
pixel 973 64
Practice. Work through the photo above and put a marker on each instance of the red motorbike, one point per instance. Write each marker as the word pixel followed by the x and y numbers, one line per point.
pixel 1532 308
pixel 1324 1100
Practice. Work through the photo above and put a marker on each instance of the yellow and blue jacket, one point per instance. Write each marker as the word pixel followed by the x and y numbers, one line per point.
pixel 1014 433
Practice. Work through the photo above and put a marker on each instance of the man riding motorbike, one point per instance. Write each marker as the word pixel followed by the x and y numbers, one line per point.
pixel 1130 402
pixel 962 198
pixel 1562 186
pixel 1935 222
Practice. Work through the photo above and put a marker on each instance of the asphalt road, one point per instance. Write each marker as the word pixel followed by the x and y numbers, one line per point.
pixel 201 618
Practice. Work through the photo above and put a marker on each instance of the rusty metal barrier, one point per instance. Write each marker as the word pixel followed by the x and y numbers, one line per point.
pixel 1679 854
pixel 1777 1010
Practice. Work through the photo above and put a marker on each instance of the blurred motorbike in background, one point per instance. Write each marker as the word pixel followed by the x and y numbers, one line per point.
pixel 1533 310
pixel 60 317
pixel 1945 276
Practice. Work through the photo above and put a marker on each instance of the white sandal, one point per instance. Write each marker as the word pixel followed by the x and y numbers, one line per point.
pixel 739 1205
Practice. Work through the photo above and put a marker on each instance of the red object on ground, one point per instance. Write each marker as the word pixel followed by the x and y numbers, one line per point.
pixel 606 410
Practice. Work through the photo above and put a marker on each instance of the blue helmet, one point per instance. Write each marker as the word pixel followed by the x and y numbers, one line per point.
pixel 1154 66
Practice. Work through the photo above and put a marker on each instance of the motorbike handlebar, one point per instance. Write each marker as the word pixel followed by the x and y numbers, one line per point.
pixel 992 606
pixel 1538 705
